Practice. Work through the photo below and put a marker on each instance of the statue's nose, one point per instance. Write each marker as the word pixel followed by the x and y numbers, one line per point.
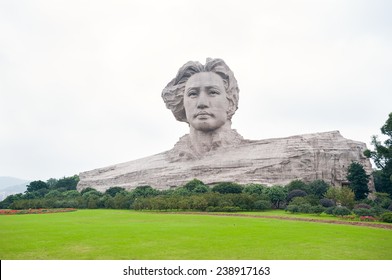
pixel 202 101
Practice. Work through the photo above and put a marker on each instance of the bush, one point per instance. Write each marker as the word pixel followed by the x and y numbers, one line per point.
pixel 293 208
pixel 318 188
pixel 364 212
pixel 362 206
pixel 341 211
pixel 325 202
pixel 223 209
pixel 262 205
pixel 297 185
pixel 191 185
pixel 386 217
pixel 296 193
pixel 329 210
pixel 318 209
pixel 200 189
pixel 227 187
pixel 255 189
pixel 390 207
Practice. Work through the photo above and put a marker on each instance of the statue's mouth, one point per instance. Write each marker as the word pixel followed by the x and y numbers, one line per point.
pixel 203 113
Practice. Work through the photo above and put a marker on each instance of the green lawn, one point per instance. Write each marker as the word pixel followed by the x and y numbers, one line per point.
pixel 122 234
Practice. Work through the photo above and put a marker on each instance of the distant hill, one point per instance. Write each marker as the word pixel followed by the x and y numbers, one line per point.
pixel 11 185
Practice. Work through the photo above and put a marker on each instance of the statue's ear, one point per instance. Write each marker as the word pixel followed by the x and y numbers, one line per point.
pixel 231 110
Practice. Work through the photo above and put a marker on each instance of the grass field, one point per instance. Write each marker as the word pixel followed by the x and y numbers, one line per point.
pixel 122 234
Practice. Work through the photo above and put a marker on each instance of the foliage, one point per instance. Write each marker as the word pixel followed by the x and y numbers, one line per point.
pixel 36 186
pixel 386 217
pixel 341 211
pixel 227 187
pixel 67 183
pixel 201 189
pixel 255 189
pixel 362 205
pixel 364 212
pixel 114 190
pixel 191 185
pixel 342 195
pixel 295 193
pixel 358 179
pixel 144 191
pixel 297 185
pixel 262 205
pixel 382 157
pixel 318 188
pixel 325 202
pixel 276 195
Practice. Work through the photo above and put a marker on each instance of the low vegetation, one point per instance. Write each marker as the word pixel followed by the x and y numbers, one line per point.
pixel 144 235
pixel 296 197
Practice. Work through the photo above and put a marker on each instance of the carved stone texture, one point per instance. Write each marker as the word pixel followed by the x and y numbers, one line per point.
pixel 307 157
pixel 206 97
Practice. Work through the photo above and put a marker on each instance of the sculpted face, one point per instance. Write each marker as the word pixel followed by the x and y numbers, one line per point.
pixel 205 101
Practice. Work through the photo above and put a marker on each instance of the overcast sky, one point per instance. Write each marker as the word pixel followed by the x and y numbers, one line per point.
pixel 81 81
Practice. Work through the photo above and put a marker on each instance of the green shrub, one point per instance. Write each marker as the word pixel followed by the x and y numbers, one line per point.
pixel 318 209
pixel 386 217
pixel 325 202
pixel 293 208
pixel 341 211
pixel 362 206
pixel 364 212
pixel 296 193
pixel 227 187
pixel 262 205
pixel 191 185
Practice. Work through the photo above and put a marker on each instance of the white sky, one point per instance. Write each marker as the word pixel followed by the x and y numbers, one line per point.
pixel 80 81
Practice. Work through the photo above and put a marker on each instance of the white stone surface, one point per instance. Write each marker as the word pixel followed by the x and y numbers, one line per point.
pixel 206 97
pixel 307 157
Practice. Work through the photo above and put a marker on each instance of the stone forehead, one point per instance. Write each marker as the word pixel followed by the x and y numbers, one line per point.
pixel 204 78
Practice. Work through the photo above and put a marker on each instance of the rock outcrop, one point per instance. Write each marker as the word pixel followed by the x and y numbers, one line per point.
pixel 307 157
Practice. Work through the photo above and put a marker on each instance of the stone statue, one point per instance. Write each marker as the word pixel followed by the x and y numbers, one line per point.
pixel 206 97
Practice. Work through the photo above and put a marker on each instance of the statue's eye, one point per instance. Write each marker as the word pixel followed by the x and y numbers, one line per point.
pixel 192 93
pixel 214 92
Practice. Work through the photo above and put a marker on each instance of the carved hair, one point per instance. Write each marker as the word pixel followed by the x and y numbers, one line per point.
pixel 173 93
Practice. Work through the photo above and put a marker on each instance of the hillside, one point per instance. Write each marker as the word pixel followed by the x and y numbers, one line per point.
pixel 11 185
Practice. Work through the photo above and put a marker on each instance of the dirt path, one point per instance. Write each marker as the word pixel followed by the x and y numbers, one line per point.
pixel 352 223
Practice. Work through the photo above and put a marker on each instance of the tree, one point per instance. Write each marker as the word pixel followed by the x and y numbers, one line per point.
pixel 343 195
pixel 191 185
pixel 276 195
pixel 68 183
pixel 358 179
pixel 382 157
pixel 254 189
pixel 227 187
pixel 114 190
pixel 295 193
pixel 297 185
pixel 318 188
pixel 36 186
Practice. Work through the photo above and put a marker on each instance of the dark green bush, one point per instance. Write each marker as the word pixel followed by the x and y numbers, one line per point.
pixel 227 187
pixel 191 185
pixel 325 202
pixel 386 217
pixel 293 208
pixel 318 209
pixel 262 205
pixel 295 193
pixel 364 212
pixel 341 211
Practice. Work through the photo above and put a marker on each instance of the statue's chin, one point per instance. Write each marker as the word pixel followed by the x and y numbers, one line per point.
pixel 208 125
